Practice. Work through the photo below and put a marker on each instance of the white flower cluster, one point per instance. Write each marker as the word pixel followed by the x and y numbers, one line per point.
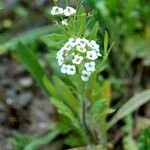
pixel 68 11
pixel 78 55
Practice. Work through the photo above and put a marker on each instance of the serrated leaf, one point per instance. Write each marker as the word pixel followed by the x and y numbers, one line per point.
pixel 66 94
pixel 98 110
pixel 131 105
pixel 31 63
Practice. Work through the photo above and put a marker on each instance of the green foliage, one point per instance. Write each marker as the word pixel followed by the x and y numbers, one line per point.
pixel 26 38
pixel 97 111
pixel 73 141
pixel 66 95
pixel 129 143
pixel 131 105
pixel 65 111
pixel 19 141
pixel 105 43
pixel 37 142
pixel 54 40
pixel 128 140
pixel 120 19
pixel 144 140
pixel 26 142
pixel 31 63
pixel 81 21
pixel 93 33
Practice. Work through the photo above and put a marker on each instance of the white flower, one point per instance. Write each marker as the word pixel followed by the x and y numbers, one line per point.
pixel 60 61
pixel 64 22
pixel 85 75
pixel 98 52
pixel 69 11
pixel 81 49
pixel 72 42
pixel 74 51
pixel 92 55
pixel 64 68
pixel 66 47
pixel 59 54
pixel 93 45
pixel 85 72
pixel 90 67
pixel 56 10
pixel 83 42
pixel 71 69
pixel 77 59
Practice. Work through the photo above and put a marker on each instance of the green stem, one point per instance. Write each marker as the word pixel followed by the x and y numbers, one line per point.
pixel 103 127
pixel 88 132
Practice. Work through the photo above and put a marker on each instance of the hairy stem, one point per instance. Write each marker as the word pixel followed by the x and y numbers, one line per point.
pixel 89 134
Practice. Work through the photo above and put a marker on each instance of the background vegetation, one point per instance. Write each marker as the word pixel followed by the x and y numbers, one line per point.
pixel 126 73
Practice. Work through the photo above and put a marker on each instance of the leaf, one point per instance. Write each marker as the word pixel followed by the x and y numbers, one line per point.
pixel 71 26
pixel 65 111
pixel 30 61
pixel 97 110
pixel 131 105
pixel 129 143
pixel 93 34
pixel 81 21
pixel 36 143
pixel 55 37
pixel 74 140
pixel 105 43
pixel 26 38
pixel 54 40
pixel 66 95
pixel 144 140
pixel 19 141
pixel 107 91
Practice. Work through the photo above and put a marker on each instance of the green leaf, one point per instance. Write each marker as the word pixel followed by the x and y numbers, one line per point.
pixel 74 140
pixel 71 27
pixel 54 40
pixel 55 37
pixel 66 94
pixel 129 143
pixel 31 63
pixel 26 38
pixel 19 141
pixel 97 110
pixel 65 111
pixel 93 34
pixel 144 140
pixel 131 105
pixel 81 21
pixel 36 143
pixel 105 43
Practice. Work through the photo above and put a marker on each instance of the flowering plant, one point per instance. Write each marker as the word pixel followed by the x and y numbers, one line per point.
pixel 80 58
pixel 78 91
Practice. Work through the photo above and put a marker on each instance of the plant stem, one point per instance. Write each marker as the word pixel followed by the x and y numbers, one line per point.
pixel 91 139
pixel 103 127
